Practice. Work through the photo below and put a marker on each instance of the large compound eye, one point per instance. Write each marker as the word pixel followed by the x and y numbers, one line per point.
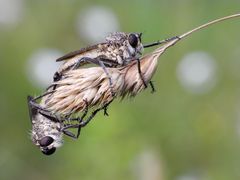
pixel 46 141
pixel 49 151
pixel 133 40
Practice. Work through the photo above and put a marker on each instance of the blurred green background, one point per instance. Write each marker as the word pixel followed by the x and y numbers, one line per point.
pixel 181 132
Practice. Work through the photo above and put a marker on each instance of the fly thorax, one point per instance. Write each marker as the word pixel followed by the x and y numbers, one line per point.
pixel 128 53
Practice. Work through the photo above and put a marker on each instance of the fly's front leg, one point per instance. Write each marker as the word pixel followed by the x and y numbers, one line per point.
pixel 84 123
pixel 161 42
pixel 105 111
pixel 70 134
pixel 152 87
pixel 140 72
pixel 79 119
pixel 142 78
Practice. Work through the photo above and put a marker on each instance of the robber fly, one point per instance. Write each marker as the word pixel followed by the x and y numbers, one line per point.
pixel 119 49
pixel 48 129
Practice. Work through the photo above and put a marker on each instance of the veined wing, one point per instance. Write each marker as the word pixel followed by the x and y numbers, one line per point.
pixel 72 58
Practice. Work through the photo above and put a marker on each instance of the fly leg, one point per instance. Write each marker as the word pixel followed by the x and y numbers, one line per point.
pixel 161 42
pixel 100 62
pixel 82 123
pixel 35 108
pixel 152 87
pixel 140 72
pixel 142 78
pixel 79 119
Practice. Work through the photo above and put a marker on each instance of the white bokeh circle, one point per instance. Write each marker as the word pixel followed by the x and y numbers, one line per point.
pixel 42 66
pixel 11 12
pixel 196 72
pixel 95 22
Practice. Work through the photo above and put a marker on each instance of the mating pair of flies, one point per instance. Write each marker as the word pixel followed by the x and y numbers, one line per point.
pixel 118 50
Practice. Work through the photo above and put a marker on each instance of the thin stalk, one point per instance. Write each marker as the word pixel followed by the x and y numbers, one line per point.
pixel 208 24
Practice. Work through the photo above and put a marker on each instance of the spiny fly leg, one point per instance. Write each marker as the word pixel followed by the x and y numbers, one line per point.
pixel 142 78
pixel 70 134
pixel 105 111
pixel 109 78
pixel 84 123
pixel 100 62
pixel 50 116
pixel 83 116
pixel 152 87
pixel 140 73
pixel 161 42
pixel 78 126
pixel 32 103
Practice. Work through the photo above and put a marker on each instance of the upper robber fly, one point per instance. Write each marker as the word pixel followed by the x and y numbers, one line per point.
pixel 118 50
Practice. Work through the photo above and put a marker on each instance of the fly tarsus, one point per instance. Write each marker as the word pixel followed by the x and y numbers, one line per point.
pixel 161 42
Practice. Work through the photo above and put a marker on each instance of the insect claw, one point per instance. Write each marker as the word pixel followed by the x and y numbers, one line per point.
pixel 105 112
pixel 152 87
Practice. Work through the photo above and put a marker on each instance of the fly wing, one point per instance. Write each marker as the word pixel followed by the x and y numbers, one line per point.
pixel 80 52
pixel 72 58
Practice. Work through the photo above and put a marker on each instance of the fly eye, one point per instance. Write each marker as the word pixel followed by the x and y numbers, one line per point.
pixel 46 141
pixel 49 151
pixel 133 40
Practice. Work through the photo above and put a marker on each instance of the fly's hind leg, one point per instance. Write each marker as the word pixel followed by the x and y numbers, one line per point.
pixel 152 87
pixel 100 62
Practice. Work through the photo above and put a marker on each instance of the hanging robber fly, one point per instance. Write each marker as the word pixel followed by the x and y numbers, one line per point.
pixel 48 129
pixel 45 132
